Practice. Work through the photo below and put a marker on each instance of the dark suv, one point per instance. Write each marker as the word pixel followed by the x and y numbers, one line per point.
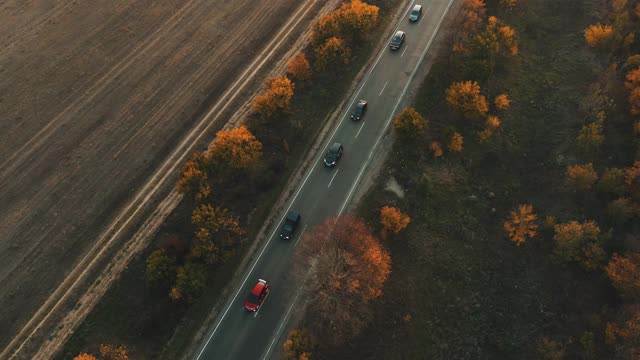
pixel 290 224
pixel 397 40
pixel 359 110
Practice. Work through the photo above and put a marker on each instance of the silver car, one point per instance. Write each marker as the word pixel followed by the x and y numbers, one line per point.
pixel 415 13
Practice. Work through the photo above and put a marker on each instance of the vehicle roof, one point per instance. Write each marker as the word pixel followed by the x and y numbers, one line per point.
pixel 417 7
pixel 399 32
pixel 362 102
pixel 335 147
pixel 292 215
pixel 257 288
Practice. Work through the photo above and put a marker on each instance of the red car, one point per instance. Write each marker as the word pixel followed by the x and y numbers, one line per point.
pixel 257 295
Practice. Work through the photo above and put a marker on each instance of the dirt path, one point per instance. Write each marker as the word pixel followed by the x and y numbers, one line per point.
pixel 94 96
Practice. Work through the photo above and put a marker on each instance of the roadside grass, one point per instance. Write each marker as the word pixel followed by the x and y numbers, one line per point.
pixel 144 319
pixel 459 289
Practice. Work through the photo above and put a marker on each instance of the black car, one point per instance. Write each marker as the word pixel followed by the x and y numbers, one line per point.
pixel 290 224
pixel 333 155
pixel 359 110
pixel 397 40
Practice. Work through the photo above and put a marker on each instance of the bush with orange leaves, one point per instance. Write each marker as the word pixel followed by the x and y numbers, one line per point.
pixel 353 20
pixel 492 123
pixel 502 102
pixel 455 144
pixel 624 272
pixel 277 98
pixel 436 149
pixel 298 346
pixel 598 35
pixel 581 177
pixel 409 123
pixel 581 243
pixel 345 268
pixel 112 352
pixel 393 220
pixel 521 225
pixel 632 179
pixel 465 97
pixel 467 24
pixel 193 177
pixel 218 233
pixel 236 148
pixel 84 356
pixel 299 67
pixel 333 51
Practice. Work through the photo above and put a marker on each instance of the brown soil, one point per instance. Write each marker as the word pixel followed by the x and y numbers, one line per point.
pixel 93 97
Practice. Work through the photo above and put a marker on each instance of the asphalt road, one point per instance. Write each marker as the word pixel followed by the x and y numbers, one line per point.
pixel 238 334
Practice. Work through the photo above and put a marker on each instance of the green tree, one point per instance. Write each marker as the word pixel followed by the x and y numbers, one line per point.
pixel 612 182
pixel 161 268
pixel 190 280
pixel 581 243
pixel 218 234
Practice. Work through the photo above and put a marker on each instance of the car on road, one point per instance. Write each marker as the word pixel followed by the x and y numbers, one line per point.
pixel 257 295
pixel 397 40
pixel 290 224
pixel 359 110
pixel 333 155
pixel 415 13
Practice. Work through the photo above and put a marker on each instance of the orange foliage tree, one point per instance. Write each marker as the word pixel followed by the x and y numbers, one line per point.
pixel 436 149
pixel 465 98
pixel 455 144
pixel 502 102
pixel 612 181
pixel 634 101
pixel 299 67
pixel 393 220
pixel 598 35
pixel 621 210
pixel 624 272
pixel 352 20
pixel 190 280
pixel 626 335
pixel 467 24
pixel 84 356
pixel 409 123
pixel 347 268
pixel 236 148
pixel 632 179
pixel 521 225
pixel 580 242
pixel 632 79
pixel 581 177
pixel 112 352
pixel 298 346
pixel 277 98
pixel 332 51
pixel 193 177
pixel 218 233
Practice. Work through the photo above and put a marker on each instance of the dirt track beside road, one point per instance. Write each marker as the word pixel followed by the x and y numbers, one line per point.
pixel 93 96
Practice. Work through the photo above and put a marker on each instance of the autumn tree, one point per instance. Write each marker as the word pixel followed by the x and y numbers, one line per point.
pixel 409 123
pixel 332 51
pixel 465 98
pixel 598 35
pixel 468 23
pixel 620 210
pixel 579 242
pixel 276 99
pixel 634 101
pixel 502 102
pixel 190 280
pixel 624 272
pixel 84 356
pixel 436 149
pixel 236 148
pixel 353 20
pixel 590 137
pixel 299 67
pixel 581 177
pixel 550 349
pixel 455 143
pixel 521 225
pixel 393 220
pixel 492 123
pixel 632 179
pixel 161 268
pixel 626 335
pixel 112 352
pixel 218 233
pixel 612 181
pixel 298 346
pixel 496 40
pixel 193 177
pixel 347 268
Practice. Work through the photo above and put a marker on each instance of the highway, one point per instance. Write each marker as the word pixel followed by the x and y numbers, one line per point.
pixel 324 192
